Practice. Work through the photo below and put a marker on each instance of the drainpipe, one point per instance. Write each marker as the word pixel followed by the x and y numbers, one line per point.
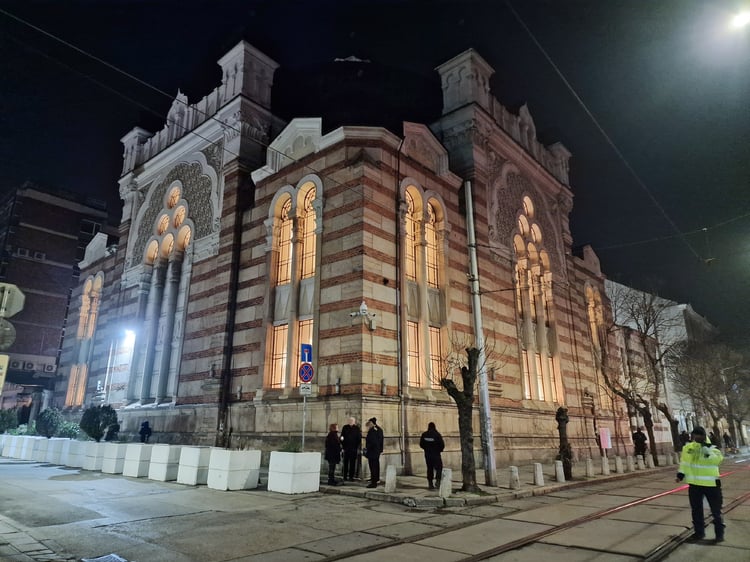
pixel 485 411
pixel 399 235
pixel 223 433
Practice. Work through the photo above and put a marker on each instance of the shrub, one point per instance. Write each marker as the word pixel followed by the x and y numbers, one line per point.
pixel 24 429
pixel 48 422
pixel 69 430
pixel 96 420
pixel 8 420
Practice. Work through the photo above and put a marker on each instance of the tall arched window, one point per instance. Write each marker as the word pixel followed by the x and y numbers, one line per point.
pixel 87 321
pixel 423 225
pixel 294 227
pixel 534 306
pixel 158 345
pixel 598 334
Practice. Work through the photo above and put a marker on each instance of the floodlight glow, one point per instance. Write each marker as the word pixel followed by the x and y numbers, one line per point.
pixel 740 20
pixel 129 338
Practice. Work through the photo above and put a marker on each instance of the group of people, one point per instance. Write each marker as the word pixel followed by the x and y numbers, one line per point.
pixel 350 441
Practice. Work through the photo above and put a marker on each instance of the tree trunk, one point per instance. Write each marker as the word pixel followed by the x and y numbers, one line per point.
pixel 464 400
pixel 673 425
pixel 648 422
pixel 565 452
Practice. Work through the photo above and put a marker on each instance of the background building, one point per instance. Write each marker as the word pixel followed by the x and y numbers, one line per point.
pixel 44 233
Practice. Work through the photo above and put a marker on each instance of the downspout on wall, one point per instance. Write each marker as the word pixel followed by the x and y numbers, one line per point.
pixel 488 441
pixel 399 331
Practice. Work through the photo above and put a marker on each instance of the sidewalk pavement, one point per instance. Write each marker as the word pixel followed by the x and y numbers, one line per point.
pixel 412 491
pixel 22 543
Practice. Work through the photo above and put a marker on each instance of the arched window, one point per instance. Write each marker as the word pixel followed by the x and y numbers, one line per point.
pixel 423 266
pixel 158 343
pixel 294 227
pixel 535 309
pixel 87 322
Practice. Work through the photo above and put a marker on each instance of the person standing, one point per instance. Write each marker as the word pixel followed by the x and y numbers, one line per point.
pixel 373 449
pixel 351 441
pixel 433 444
pixel 639 440
pixel 145 432
pixel 699 467
pixel 333 452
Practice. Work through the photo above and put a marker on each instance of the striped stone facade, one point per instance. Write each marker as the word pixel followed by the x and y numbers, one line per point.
pixel 369 185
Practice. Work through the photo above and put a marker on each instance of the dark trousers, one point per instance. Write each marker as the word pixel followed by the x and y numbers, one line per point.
pixel 331 472
pixel 350 463
pixel 374 464
pixel 434 467
pixel 714 497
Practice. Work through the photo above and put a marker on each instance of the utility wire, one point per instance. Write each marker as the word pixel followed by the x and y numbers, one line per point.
pixel 604 134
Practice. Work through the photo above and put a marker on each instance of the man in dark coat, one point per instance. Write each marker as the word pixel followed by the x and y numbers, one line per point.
pixel 351 441
pixel 639 440
pixel 373 449
pixel 332 452
pixel 433 444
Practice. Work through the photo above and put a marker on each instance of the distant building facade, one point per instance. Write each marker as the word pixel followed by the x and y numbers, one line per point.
pixel 254 247
pixel 44 233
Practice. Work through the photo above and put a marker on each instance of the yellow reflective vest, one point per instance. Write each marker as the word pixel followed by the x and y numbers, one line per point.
pixel 700 463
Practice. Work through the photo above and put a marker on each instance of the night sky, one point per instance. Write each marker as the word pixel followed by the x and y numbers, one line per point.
pixel 667 81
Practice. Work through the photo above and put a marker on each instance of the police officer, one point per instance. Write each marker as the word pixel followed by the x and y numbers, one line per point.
pixel 699 467
pixel 433 444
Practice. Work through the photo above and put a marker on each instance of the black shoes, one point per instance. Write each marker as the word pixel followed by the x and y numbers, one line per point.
pixel 372 485
pixel 695 537
pixel 717 540
pixel 430 486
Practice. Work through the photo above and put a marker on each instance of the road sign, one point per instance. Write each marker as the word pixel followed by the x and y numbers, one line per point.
pixel 7 334
pixel 306 352
pixel 3 369
pixel 306 372
pixel 11 300
pixel 305 389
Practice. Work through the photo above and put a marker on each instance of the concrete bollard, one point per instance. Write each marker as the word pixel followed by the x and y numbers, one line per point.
pixel 649 461
pixel 618 465
pixel 631 464
pixel 390 479
pixel 589 467
pixel 559 471
pixel 639 462
pixel 538 474
pixel 605 466
pixel 677 458
pixel 446 483
pixel 515 483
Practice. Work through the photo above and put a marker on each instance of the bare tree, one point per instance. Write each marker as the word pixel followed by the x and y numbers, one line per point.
pixel 644 323
pixel 462 390
pixel 714 377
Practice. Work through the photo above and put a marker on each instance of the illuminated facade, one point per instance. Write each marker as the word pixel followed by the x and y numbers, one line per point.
pixel 253 239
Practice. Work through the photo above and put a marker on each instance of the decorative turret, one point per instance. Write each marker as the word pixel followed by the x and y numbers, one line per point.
pixel 465 79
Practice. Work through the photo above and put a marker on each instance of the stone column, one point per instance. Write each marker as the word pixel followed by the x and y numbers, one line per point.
pixel 166 321
pixel 151 329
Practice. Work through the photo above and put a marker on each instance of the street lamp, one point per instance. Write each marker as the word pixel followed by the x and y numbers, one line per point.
pixel 740 20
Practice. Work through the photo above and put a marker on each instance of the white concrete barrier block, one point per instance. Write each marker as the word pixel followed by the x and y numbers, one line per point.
pixel 76 452
pixel 92 459
pixel 137 460
pixel 40 450
pixel 233 470
pixel 10 447
pixel 62 458
pixel 165 461
pixel 294 473
pixel 54 446
pixel 113 458
pixel 29 446
pixel 193 466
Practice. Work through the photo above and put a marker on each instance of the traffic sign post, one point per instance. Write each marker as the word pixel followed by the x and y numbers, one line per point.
pixel 306 374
